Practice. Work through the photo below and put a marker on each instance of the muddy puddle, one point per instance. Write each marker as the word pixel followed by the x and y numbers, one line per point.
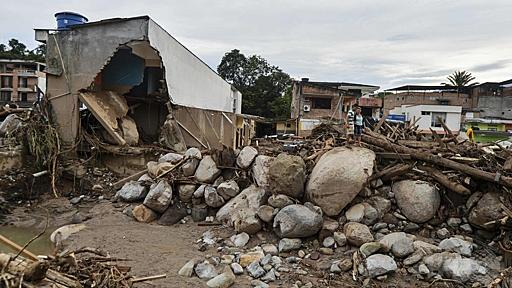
pixel 21 235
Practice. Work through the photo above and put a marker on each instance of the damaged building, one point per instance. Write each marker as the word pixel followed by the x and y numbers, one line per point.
pixel 129 83
pixel 316 102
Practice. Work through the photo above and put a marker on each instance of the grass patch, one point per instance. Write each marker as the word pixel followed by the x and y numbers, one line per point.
pixel 482 138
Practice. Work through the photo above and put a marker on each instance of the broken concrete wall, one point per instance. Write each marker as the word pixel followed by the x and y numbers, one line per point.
pixel 74 59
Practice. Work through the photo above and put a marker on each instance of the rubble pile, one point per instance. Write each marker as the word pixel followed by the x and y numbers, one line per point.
pixel 425 209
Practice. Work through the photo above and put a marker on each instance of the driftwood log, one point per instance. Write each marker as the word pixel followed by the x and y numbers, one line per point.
pixel 437 160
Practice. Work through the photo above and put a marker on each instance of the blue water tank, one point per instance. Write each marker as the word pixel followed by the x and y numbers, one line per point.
pixel 66 19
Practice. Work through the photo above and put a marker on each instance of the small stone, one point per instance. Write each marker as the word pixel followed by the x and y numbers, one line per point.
pixel 237 268
pixel 463 270
pixel 212 198
pixel 370 248
pixel 187 269
pixel 276 260
pixel 402 247
pixel 379 264
pixel 289 244
pixel 301 254
pixel 240 240
pixel 270 276
pixel 255 270
pixel 223 280
pixel 143 214
pixel 357 233
pixel 199 193
pixel 269 249
pixel 335 268
pixel 292 259
pixel 259 284
pixel 426 248
pixel 454 222
pixel 466 228
pixel 279 201
pixel 266 260
pixel 411 227
pixel 198 212
pixel 423 269
pixel 457 245
pixel 328 242
pixel 355 213
pixel 414 258
pixel 378 226
pixel 345 265
pixel 340 239
pixel 248 258
pixel 228 189
pixel 314 256
pixel 227 259
pixel 205 270
pixel 266 213
pixel 326 251
pixel 442 233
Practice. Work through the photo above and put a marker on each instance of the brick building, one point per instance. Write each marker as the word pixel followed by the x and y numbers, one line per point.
pixel 317 102
pixel 20 80
pixel 428 95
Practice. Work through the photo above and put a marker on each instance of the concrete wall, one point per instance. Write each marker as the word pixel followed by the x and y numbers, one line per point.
pixel 190 81
pixel 495 106
pixel 453 115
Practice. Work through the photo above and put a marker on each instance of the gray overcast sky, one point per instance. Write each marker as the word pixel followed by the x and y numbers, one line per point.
pixel 386 43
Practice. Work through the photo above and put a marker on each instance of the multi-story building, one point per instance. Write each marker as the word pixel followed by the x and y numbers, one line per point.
pixel 316 102
pixel 21 81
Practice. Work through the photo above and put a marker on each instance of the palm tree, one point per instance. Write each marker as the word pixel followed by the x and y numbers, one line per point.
pixel 461 79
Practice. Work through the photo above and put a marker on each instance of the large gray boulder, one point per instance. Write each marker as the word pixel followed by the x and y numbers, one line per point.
pixel 194 156
pixel 463 269
pixel 246 156
pixel 379 264
pixel 418 200
pixel 338 177
pixel 460 246
pixel 207 170
pixel 212 198
pixel 132 191
pixel 228 189
pixel 159 196
pixel 287 174
pixel 260 170
pixel 488 209
pixel 297 221
pixel 241 211
pixel 186 191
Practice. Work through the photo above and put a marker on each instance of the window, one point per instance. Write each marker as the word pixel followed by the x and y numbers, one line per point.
pixel 5 96
pixel 23 82
pixel 435 121
pixel 24 97
pixel 425 112
pixel 321 103
pixel 6 82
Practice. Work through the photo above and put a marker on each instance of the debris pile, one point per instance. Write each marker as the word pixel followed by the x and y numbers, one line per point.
pixel 432 210
pixel 85 267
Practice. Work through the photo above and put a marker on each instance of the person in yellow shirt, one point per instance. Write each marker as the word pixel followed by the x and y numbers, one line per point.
pixel 470 134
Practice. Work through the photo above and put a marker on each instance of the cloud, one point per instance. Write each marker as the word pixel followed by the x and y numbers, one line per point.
pixel 374 42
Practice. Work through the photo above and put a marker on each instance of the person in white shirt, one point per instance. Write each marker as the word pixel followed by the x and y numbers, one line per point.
pixel 358 125
pixel 349 125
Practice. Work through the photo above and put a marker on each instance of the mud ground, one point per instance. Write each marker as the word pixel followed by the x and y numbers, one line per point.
pixel 153 249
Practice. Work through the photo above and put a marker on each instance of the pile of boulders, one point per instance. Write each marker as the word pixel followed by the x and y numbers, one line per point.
pixel 333 215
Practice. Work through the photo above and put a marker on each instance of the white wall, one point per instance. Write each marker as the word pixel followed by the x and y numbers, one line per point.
pixel 190 81
pixel 453 115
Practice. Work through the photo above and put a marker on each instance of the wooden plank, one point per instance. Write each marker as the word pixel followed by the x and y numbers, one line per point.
pixel 17 247
pixel 135 176
pixel 381 121
pixel 391 155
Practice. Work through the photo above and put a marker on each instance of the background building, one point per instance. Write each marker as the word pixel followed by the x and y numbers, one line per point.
pixel 316 102
pixel 20 81
pixel 427 116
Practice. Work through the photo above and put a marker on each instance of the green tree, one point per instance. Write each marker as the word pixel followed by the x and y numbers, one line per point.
pixel 262 85
pixel 17 50
pixel 461 79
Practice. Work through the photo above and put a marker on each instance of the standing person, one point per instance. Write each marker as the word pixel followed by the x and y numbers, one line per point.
pixel 358 125
pixel 470 134
pixel 349 125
